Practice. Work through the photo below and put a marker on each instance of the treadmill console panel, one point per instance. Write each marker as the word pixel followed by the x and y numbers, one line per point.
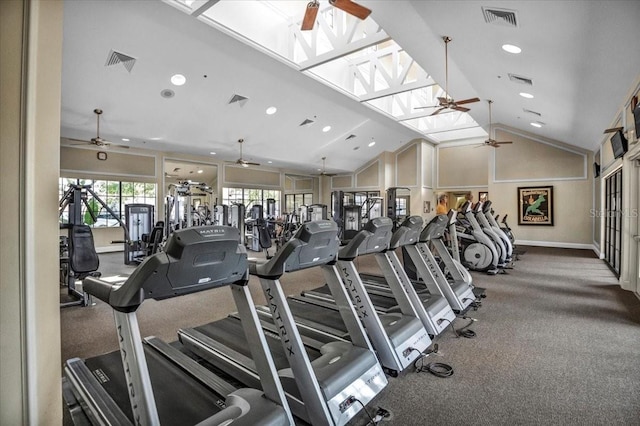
pixel 434 229
pixel 194 259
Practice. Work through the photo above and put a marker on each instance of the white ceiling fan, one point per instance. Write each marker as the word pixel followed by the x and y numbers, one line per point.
pixel 98 141
pixel 241 161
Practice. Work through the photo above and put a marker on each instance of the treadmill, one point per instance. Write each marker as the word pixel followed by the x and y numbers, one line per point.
pixel 398 337
pixel 431 306
pixel 154 382
pixel 326 382
pixel 458 290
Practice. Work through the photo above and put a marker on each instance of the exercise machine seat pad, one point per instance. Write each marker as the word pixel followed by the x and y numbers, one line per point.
pixel 83 257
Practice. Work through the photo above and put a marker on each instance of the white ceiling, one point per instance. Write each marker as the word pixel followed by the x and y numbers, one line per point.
pixel 581 55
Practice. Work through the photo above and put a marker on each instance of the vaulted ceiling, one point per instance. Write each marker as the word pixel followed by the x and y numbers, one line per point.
pixel 581 58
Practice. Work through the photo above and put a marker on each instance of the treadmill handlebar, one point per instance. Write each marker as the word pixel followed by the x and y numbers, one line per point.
pixel 315 243
pixel 374 238
pixel 194 259
pixel 435 228
pixel 407 233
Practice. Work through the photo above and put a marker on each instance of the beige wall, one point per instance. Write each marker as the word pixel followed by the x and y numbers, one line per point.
pixel 463 166
pixel 30 73
pixel 573 222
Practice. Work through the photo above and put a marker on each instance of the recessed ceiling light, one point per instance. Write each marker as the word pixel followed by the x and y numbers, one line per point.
pixel 372 143
pixel 212 153
pixel 125 140
pixel 270 162
pixel 511 48
pixel 155 139
pixel 536 125
pixel 200 171
pixel 178 79
pixel 526 95
pixel 271 110
pixel 326 129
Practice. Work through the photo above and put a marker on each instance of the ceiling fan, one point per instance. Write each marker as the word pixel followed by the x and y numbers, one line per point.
pixel 98 141
pixel 492 142
pixel 241 160
pixel 447 102
pixel 323 172
pixel 346 5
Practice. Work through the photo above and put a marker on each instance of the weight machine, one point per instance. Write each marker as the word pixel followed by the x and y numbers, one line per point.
pixel 78 257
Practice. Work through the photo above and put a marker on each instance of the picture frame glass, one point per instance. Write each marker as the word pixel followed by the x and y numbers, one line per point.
pixel 535 205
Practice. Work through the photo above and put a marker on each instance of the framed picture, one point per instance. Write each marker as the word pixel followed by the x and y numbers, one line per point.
pixel 535 205
pixel 483 196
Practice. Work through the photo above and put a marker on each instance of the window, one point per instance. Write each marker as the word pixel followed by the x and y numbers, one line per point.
pixel 250 197
pixel 115 194
pixel 292 202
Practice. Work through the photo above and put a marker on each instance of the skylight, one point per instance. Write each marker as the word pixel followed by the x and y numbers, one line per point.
pixel 352 56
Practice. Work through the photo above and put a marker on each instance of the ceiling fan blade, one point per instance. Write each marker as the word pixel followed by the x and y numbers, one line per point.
pixel 613 130
pixel 462 109
pixel 467 101
pixel 351 8
pixel 310 14
pixel 251 163
pixel 438 111
pixel 503 142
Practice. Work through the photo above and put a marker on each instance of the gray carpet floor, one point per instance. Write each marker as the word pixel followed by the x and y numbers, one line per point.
pixel 558 343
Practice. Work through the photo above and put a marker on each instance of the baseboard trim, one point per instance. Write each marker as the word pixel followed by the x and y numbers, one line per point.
pixel 556 244
pixel 108 249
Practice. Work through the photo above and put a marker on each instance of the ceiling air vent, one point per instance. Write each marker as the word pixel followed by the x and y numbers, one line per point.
pixel 351 136
pixel 238 99
pixel 505 17
pixel 520 79
pixel 306 122
pixel 115 58
pixel 532 112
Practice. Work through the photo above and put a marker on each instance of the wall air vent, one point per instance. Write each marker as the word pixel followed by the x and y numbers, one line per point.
pixel 532 112
pixel 239 99
pixel 351 136
pixel 520 79
pixel 115 58
pixel 307 122
pixel 504 17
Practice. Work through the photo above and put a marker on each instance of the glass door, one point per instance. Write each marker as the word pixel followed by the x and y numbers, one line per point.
pixel 613 221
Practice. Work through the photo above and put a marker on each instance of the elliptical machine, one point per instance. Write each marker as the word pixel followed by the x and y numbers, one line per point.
pixel 477 251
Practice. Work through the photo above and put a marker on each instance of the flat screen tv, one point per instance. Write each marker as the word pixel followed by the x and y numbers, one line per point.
pixel 596 169
pixel 619 144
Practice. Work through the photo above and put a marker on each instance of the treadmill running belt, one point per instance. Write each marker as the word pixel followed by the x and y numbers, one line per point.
pixel 319 315
pixel 229 332
pixel 179 398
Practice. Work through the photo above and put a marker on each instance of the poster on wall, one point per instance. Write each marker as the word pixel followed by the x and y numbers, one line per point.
pixel 536 205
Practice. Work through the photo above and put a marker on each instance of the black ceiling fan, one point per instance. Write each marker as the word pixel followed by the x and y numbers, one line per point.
pixel 492 142
pixel 98 141
pixel 348 6
pixel 241 161
pixel 447 102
